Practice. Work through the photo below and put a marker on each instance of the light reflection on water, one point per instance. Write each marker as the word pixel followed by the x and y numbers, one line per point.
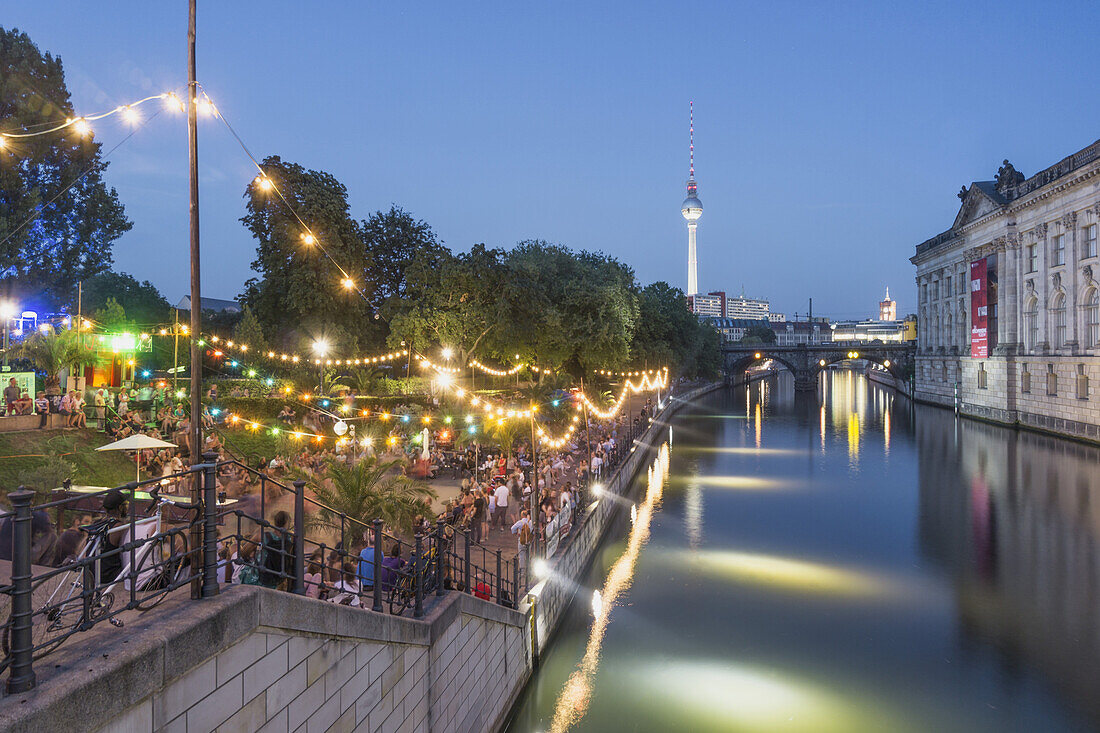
pixel 927 574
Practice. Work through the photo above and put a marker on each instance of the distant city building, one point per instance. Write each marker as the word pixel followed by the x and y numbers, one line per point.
pixel 872 330
pixel 711 305
pixel 794 333
pixel 692 208
pixel 732 330
pixel 1009 302
pixel 742 307
pixel 888 309
pixel 776 317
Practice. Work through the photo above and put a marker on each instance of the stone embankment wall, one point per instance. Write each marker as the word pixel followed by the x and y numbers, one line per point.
pixel 254 659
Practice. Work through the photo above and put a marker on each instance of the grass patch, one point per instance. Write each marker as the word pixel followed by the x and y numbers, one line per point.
pixel 23 451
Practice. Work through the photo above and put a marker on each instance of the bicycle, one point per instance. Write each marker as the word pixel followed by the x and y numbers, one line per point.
pixel 161 561
pixel 403 592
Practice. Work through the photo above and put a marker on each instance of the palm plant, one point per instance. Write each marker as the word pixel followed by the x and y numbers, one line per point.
pixel 52 351
pixel 366 380
pixel 506 433
pixel 368 490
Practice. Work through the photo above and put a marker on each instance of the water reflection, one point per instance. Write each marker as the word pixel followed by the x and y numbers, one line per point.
pixel 1012 516
pixel 916 573
pixel 573 701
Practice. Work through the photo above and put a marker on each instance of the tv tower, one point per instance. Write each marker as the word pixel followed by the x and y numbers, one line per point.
pixel 692 208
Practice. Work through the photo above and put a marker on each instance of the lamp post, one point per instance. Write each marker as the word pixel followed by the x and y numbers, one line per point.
pixel 320 348
pixel 7 312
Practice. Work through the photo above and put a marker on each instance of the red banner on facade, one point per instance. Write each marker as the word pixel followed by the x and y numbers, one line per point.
pixel 979 311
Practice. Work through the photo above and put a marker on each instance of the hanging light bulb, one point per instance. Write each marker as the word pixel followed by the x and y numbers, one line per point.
pixel 131 115
pixel 308 238
pixel 82 127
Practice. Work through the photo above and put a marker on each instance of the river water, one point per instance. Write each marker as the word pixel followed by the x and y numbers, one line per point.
pixel 844 561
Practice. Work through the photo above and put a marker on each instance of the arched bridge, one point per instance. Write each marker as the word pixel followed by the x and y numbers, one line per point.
pixel 805 362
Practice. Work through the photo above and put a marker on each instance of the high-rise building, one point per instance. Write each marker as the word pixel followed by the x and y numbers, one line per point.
pixel 742 307
pixel 888 309
pixel 692 208
pixel 712 304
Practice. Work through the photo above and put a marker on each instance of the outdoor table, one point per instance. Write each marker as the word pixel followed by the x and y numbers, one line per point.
pixel 90 499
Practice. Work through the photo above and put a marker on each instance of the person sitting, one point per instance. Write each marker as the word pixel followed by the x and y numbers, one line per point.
pixel 391 568
pixel 42 407
pixel 24 405
pixel 286 415
pixel 345 591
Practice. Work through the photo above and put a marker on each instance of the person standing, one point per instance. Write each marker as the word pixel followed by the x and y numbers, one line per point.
pixel 11 394
pixel 502 496
pixel 524 532
pixel 477 521
pixel 100 408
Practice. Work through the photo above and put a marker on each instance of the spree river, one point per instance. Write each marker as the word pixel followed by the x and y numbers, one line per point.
pixel 844 561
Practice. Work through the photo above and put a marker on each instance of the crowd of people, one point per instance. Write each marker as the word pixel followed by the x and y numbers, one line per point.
pixel 495 499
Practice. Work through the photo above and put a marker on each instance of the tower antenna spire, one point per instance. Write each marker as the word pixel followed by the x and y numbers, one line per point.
pixel 691 138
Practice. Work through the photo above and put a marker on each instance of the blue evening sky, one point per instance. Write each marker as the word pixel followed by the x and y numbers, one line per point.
pixel 830 137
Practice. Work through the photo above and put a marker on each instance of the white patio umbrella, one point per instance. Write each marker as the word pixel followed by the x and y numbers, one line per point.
pixel 137 442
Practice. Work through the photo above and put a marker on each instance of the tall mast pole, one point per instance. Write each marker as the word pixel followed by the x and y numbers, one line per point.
pixel 196 300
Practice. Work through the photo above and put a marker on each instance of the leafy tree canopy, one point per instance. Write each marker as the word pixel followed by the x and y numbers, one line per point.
pixel 59 177
pixel 300 295
pixel 142 302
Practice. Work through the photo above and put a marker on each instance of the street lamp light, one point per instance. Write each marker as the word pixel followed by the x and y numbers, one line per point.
pixel 448 352
pixel 320 348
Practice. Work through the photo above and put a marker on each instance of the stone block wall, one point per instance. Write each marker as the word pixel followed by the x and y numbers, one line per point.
pixel 1004 399
pixel 462 676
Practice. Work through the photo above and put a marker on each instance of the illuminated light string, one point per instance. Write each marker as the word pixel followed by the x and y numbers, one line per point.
pixel 296 358
pixel 660 381
pixel 235 420
pixel 81 124
pixel 637 373
pixel 307 236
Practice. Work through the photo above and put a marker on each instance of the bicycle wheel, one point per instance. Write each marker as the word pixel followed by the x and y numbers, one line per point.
pixel 59 611
pixel 401 595
pixel 171 566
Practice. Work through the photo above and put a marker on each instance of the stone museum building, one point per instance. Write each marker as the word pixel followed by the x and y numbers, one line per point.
pixel 1008 301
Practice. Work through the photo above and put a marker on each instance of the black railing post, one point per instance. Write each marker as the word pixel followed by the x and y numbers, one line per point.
pixel 515 579
pixel 439 549
pixel 418 609
pixel 21 678
pixel 377 603
pixel 466 562
pixel 500 579
pixel 210 585
pixel 300 537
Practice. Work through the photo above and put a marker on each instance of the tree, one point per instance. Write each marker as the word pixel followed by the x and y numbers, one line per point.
pixel 507 432
pixel 563 309
pixel 451 300
pixel 249 331
pixel 300 293
pixel 762 332
pixel 54 351
pixel 142 302
pixel 392 241
pixel 58 219
pixel 666 330
pixel 368 490
pixel 112 315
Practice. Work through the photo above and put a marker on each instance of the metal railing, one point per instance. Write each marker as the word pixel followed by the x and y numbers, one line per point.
pixel 132 562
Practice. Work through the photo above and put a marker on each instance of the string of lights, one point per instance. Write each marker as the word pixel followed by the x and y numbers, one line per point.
pixel 81 125
pixel 267 184
pixel 636 373
pixel 658 382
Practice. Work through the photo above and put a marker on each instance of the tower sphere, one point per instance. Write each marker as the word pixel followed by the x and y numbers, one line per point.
pixel 692 208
